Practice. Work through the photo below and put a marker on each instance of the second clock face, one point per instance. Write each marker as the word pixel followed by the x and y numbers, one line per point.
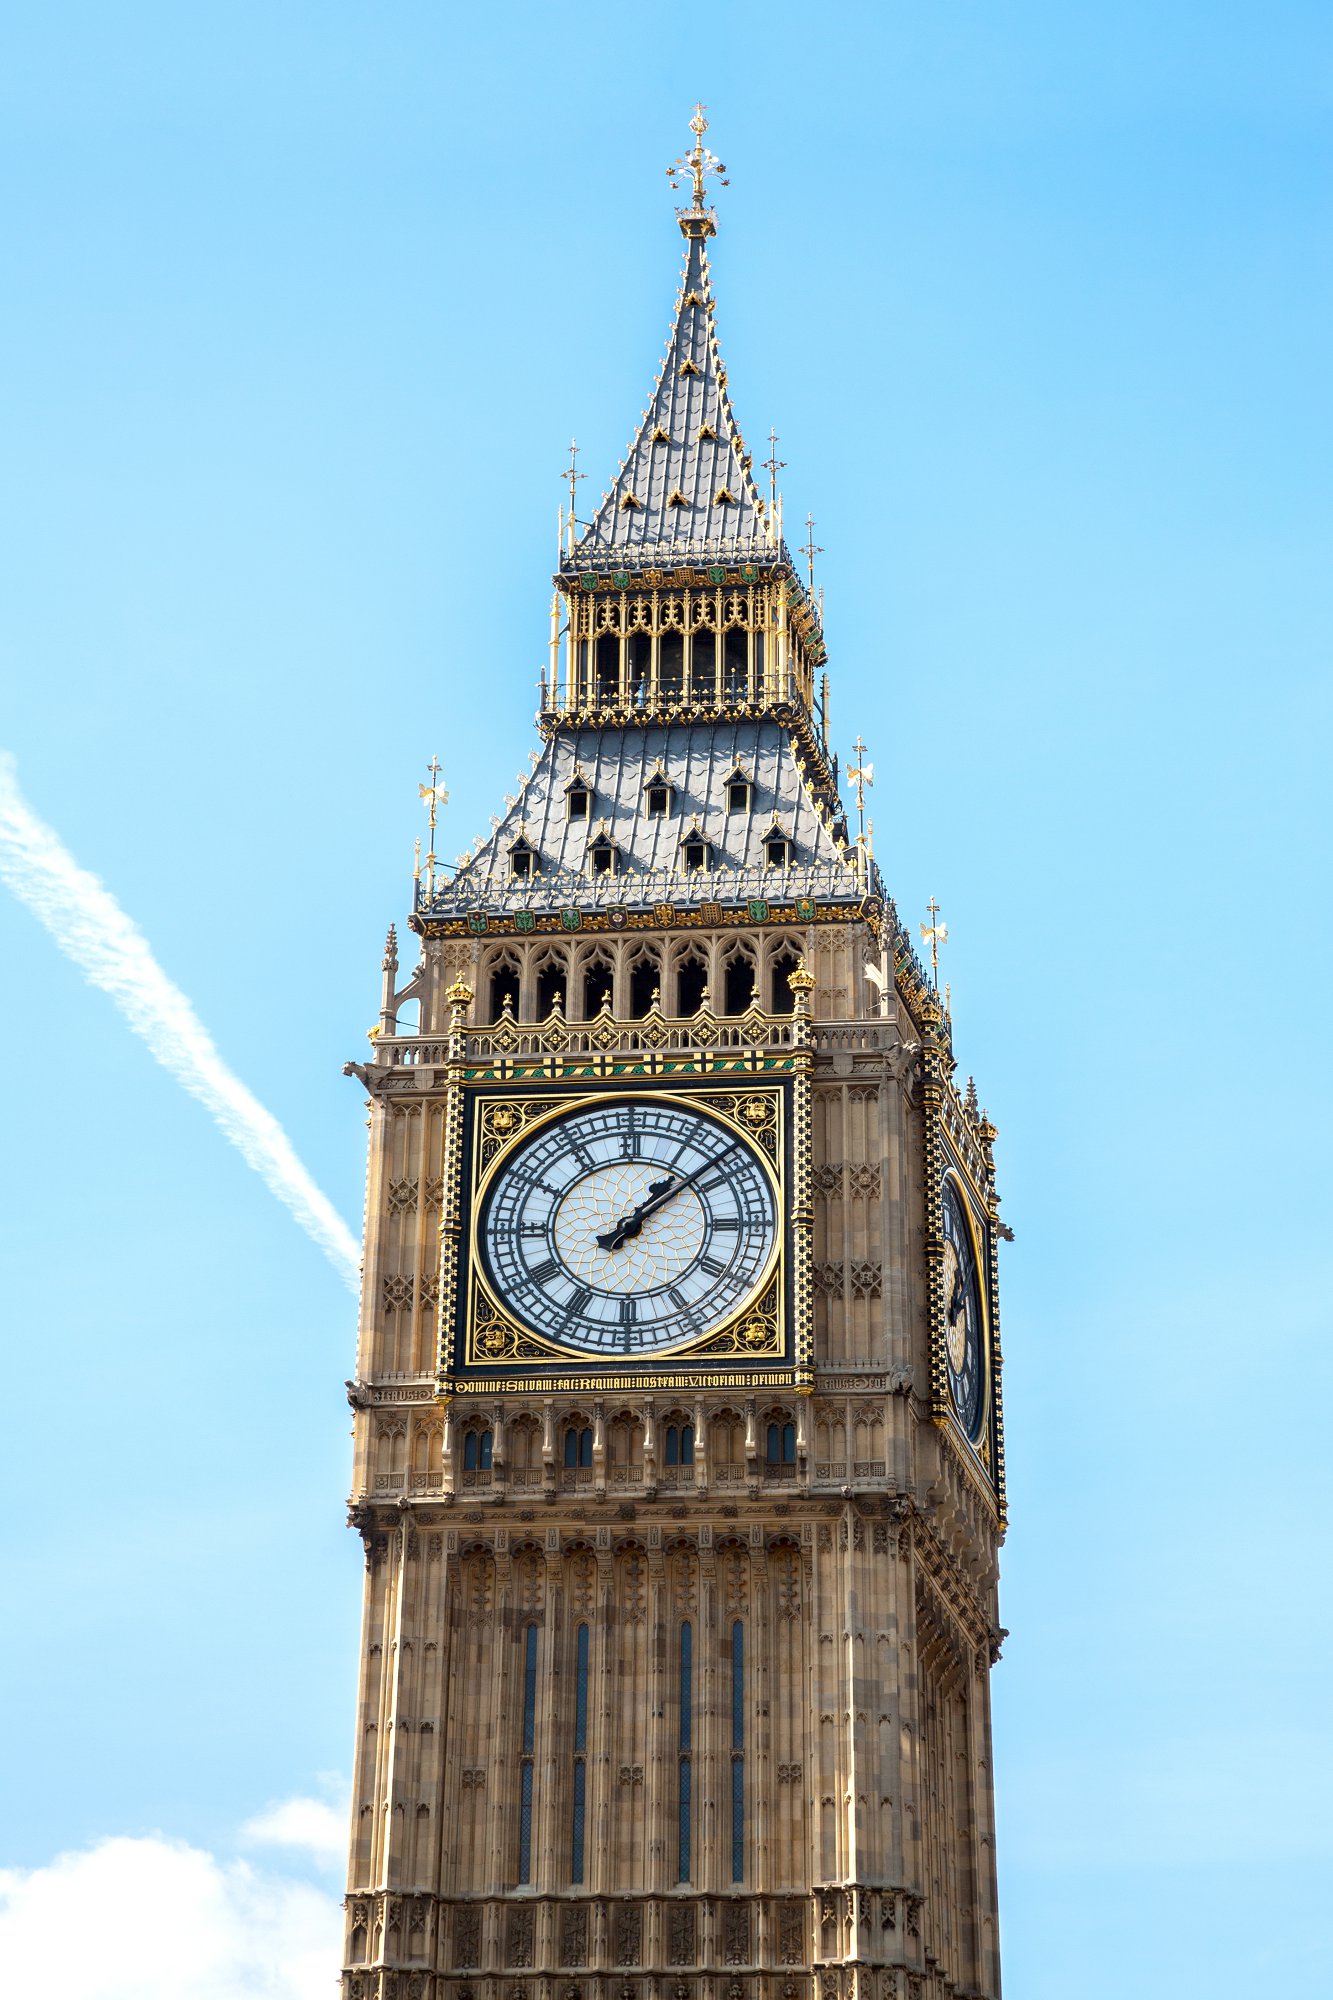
pixel 627 1227
pixel 962 1315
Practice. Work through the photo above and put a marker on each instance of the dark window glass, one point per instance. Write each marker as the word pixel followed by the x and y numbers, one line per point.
pixel 585 1446
pixel 789 1444
pixel 738 1752
pixel 529 1742
pixel 470 1452
pixel 603 857
pixel 578 799
pixel 571 1447
pixel 683 1745
pixel 778 852
pixel 774 1451
pixel 696 855
pixel 659 801
pixel 484 1451
pixel 738 796
pixel 672 1445
pixel 687 1444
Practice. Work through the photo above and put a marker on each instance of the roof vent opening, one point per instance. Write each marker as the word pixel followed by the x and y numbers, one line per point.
pixel 675 498
pixel 724 497
pixel 706 431
pixel 629 500
pixel 660 436
pixel 688 367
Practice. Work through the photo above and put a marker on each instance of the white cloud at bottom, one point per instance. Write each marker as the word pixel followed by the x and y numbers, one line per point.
pixel 155 1919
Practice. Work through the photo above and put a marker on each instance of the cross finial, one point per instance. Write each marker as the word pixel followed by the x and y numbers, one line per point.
pixel 773 465
pixel 810 549
pixel 938 934
pixel 697 163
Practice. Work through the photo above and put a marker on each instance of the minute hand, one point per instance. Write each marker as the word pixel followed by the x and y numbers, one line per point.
pixel 630 1225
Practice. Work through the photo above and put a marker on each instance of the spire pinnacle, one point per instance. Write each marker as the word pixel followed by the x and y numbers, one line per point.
pixel 697 163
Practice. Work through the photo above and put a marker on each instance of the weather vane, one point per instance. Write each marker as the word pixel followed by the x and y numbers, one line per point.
pixel 938 935
pixel 698 161
pixel 810 548
pixel 862 775
pixel 773 465
pixel 573 475
pixel 433 797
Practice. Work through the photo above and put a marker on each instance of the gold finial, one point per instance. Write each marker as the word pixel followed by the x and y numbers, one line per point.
pixel 810 549
pixel 459 996
pixel 802 980
pixel 697 163
pixel 773 465
pixel 433 797
pixel 938 934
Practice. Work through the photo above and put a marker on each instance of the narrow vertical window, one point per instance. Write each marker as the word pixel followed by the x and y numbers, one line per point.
pixel 470 1452
pixel 529 1741
pixel 683 1747
pixel 484 1451
pixel 687 1444
pixel 580 1752
pixel 738 1752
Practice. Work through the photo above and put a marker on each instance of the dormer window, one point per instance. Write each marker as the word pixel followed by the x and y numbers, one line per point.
pixel 524 861
pixel 738 792
pixel 659 794
pixel 778 849
pixel 578 799
pixel 603 855
pixel 695 853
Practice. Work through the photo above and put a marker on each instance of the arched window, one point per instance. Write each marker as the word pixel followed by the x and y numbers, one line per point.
pixel 691 984
pixel 552 986
pixel 638 654
pixel 703 667
pixel 644 984
pixel 781 1444
pixel 736 665
pixel 504 986
pixel 671 666
pixel 526 1760
pixel 680 1444
pixel 738 983
pixel 608 668
pixel 598 986
pixel 780 972
pixel 684 1747
pixel 738 1752
pixel 580 1752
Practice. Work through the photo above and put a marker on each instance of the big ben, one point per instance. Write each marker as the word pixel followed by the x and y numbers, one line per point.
pixel 678 1444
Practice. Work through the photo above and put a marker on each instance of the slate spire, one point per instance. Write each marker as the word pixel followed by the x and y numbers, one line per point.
pixel 684 490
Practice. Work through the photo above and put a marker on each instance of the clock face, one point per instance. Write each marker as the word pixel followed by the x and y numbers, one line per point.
pixel 962 1315
pixel 627 1227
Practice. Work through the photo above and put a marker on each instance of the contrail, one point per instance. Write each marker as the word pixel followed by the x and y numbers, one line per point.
pixel 91 928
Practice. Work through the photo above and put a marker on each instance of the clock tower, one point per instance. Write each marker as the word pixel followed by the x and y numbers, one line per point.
pixel 678 1452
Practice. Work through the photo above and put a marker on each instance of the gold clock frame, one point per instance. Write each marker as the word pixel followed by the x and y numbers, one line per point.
pixel 485 1349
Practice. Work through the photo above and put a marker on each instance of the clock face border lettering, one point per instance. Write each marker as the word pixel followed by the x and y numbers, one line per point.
pixel 706 1202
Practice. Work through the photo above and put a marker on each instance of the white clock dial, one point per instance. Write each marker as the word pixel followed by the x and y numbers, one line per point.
pixel 630 1226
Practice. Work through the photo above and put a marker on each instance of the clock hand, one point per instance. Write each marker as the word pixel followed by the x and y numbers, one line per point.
pixel 660 1192
pixel 959 1299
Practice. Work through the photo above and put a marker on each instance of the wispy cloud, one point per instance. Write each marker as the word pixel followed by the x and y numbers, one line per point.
pixel 311 1826
pixel 91 928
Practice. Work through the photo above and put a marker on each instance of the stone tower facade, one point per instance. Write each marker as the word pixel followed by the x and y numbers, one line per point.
pixel 678 1449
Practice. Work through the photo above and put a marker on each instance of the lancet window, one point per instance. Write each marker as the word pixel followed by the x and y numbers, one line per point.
pixel 580 1773
pixel 684 1750
pixel 525 1778
pixel 738 1751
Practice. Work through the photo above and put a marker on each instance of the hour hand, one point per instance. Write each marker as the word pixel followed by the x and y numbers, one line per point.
pixel 630 1225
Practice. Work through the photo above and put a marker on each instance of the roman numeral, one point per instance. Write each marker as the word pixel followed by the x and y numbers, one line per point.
pixel 712 1266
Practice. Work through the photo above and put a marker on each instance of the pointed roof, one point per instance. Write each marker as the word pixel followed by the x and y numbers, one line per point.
pixel 684 490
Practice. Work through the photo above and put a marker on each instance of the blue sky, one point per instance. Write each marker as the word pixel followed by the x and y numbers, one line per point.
pixel 303 304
